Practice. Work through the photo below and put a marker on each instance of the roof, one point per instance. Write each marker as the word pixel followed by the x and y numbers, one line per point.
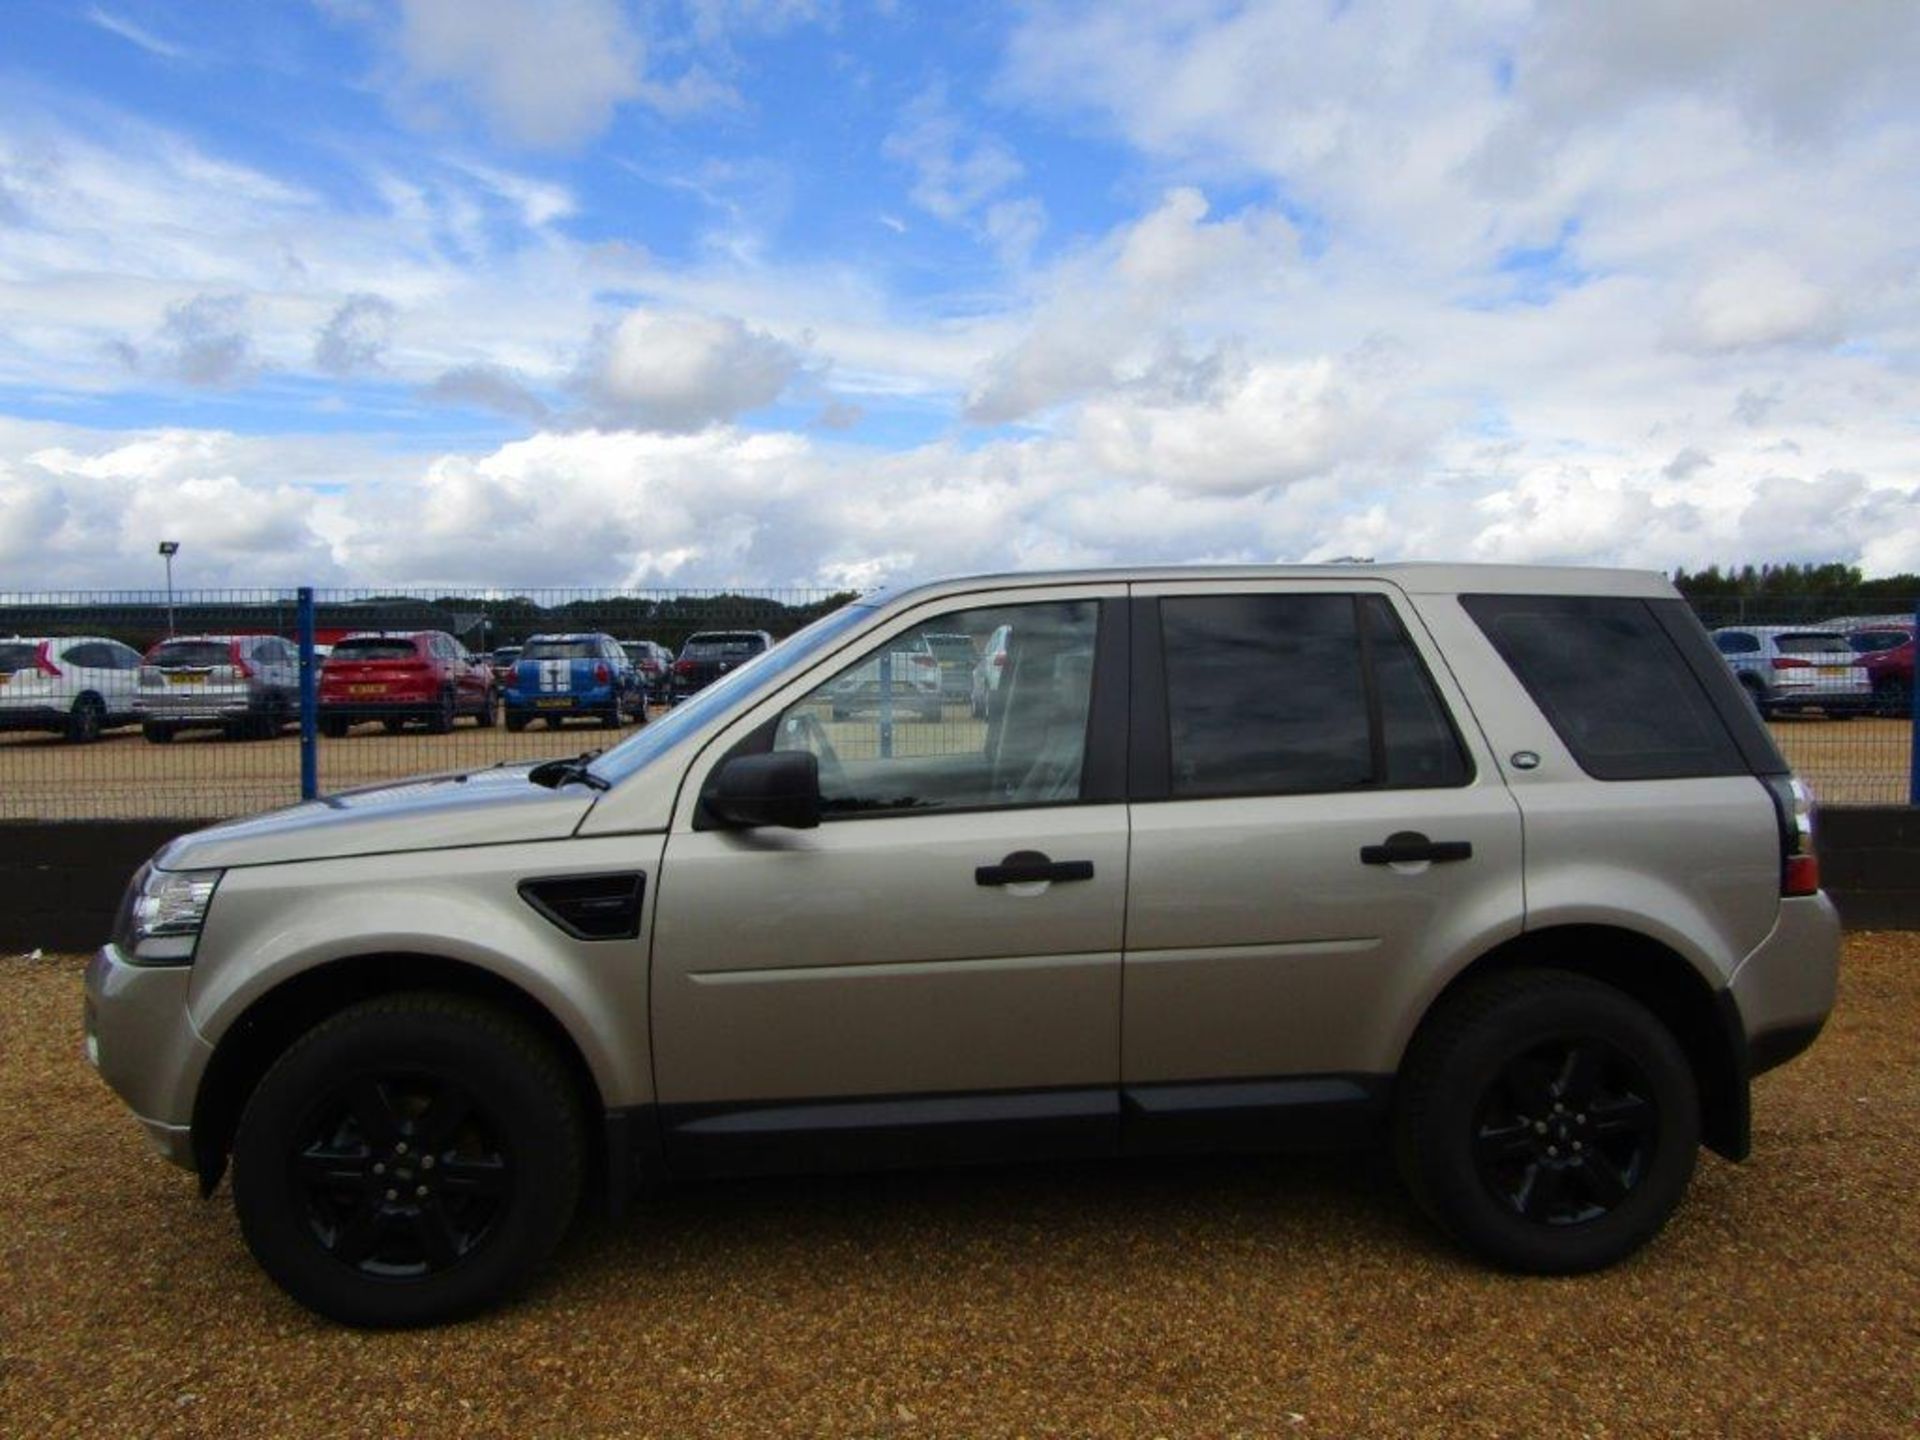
pixel 1417 578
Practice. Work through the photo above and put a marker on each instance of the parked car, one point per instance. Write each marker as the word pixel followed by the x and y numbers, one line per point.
pixel 558 676
pixel 712 653
pixel 956 656
pixel 503 660
pixel 987 671
pixel 246 686
pixel 906 679
pixel 1237 862
pixel 71 685
pixel 654 664
pixel 1886 653
pixel 1796 668
pixel 400 676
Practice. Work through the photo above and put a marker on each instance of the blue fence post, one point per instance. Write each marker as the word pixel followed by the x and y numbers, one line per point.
pixel 309 719
pixel 1913 726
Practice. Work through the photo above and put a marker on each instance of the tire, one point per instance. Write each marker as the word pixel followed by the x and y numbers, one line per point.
pixel 392 1083
pixel 157 734
pixel 516 723
pixel 614 716
pixel 440 718
pixel 334 727
pixel 394 724
pixel 86 720
pixel 1534 1199
pixel 487 707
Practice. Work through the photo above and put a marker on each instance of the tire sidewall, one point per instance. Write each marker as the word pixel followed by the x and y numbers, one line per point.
pixel 1449 1181
pixel 533 1126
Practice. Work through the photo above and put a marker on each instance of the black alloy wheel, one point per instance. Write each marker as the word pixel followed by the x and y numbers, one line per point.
pixel 86 720
pixel 399 1174
pixel 1566 1131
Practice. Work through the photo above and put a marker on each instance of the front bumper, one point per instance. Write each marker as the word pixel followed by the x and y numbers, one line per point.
pixel 142 1041
pixel 1784 990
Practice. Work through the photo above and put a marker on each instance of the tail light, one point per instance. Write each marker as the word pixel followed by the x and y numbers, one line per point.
pixel 601 674
pixel 683 667
pixel 238 661
pixel 1788 662
pixel 43 660
pixel 1000 661
pixel 1794 808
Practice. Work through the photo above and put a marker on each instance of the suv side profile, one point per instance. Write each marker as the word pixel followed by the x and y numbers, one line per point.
pixel 1493 866
pixel 72 685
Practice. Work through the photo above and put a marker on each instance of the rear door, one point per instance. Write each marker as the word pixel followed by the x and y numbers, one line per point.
pixel 1318 833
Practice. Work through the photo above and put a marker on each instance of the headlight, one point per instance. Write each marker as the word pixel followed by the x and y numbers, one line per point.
pixel 161 917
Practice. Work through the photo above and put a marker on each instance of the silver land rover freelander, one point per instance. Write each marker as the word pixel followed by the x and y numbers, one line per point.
pixel 1496 866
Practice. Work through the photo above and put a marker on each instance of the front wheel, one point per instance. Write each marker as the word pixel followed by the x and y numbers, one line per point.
pixel 408 1161
pixel 1547 1122
pixel 86 720
pixel 487 710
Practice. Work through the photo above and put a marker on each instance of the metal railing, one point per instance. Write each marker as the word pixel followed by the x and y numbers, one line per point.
pixel 199 739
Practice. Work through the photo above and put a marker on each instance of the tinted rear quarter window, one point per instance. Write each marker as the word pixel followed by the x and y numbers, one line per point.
pixel 1612 684
pixel 15 656
pixel 1813 642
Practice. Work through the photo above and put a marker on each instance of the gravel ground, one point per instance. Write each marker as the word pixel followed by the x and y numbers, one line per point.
pixel 1248 1298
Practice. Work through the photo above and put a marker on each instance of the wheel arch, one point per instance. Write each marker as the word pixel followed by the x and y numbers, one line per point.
pixel 274 1020
pixel 1702 1019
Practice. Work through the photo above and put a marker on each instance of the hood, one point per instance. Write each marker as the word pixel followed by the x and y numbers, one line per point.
pixel 429 812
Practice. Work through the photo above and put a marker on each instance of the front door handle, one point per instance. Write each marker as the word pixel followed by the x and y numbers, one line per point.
pixel 1409 846
pixel 1025 867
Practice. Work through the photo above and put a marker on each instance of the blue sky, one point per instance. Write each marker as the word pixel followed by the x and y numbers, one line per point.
pixel 840 291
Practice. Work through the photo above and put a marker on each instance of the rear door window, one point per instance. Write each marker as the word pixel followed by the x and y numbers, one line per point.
pixel 1813 642
pixel 1611 683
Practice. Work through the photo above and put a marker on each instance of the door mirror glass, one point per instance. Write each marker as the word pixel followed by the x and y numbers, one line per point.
pixel 749 792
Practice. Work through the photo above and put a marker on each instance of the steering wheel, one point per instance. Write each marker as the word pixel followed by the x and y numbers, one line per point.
pixel 803 731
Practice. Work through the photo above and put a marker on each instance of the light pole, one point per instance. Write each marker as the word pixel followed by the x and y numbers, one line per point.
pixel 168 549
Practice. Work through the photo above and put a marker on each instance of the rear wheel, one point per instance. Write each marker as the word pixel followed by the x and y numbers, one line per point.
pixel 440 718
pixel 393 724
pixel 1547 1122
pixel 488 704
pixel 516 723
pixel 86 720
pixel 334 727
pixel 157 734
pixel 408 1161
pixel 615 715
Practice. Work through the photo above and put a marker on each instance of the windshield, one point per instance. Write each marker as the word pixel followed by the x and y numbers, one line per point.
pixel 191 654
pixel 1813 642
pixel 373 649
pixel 561 650
pixel 692 715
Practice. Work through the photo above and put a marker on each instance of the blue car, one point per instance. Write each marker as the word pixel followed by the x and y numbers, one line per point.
pixel 559 676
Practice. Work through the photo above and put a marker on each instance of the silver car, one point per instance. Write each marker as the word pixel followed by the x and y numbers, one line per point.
pixel 245 686
pixel 1493 866
pixel 1797 668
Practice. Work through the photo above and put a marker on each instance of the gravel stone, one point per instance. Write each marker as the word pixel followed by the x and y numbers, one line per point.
pixel 1220 1298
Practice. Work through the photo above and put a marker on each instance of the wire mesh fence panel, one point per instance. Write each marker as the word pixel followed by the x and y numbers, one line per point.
pixel 137 705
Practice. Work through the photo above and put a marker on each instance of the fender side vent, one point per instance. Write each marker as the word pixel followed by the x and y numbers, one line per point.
pixel 590 907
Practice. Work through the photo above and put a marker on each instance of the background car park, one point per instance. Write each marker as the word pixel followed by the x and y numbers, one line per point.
pixel 912 680
pixel 244 686
pixel 956 654
pixel 502 660
pixel 76 685
pixel 560 677
pixel 1791 668
pixel 709 654
pixel 987 673
pixel 425 676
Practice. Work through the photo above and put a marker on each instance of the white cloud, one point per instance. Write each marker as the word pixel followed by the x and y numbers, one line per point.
pixel 956 169
pixel 665 371
pixel 355 337
pixel 135 35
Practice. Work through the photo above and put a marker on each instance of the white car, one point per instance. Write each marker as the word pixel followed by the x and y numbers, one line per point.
pixel 1797 667
pixel 72 685
pixel 987 671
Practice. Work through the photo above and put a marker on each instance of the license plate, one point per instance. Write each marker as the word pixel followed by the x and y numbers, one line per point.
pixel 553 704
pixel 186 679
pixel 366 689
pixel 1836 672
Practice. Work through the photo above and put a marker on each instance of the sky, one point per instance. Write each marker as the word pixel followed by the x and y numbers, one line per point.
pixel 595 293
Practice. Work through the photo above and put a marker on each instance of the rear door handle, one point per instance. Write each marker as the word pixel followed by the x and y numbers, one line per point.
pixel 1025 867
pixel 1409 846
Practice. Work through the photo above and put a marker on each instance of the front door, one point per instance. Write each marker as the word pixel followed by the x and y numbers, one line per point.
pixel 934 972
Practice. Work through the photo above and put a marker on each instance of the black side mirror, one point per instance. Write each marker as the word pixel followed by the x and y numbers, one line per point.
pixel 780 788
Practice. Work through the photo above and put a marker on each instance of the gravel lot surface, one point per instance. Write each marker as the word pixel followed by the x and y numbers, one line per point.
pixel 1230 1298
pixel 203 775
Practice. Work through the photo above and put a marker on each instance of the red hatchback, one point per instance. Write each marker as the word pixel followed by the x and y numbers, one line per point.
pixel 425 675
